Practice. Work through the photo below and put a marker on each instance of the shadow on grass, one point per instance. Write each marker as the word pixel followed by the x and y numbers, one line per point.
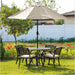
pixel 64 69
pixel 49 68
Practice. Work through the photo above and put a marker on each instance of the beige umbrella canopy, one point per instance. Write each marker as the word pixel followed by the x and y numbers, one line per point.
pixel 37 12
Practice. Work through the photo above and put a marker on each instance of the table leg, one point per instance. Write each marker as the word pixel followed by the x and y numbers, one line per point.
pixel 43 58
pixel 36 60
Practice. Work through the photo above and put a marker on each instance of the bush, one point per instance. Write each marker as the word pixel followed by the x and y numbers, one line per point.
pixel 59 22
pixel 61 39
pixel 69 40
pixel 51 40
pixel 2 50
pixel 10 54
pixel 67 53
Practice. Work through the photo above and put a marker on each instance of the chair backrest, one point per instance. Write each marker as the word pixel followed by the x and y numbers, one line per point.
pixel 58 50
pixel 52 47
pixel 21 50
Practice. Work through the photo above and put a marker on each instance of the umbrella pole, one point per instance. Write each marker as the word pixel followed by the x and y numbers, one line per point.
pixel 37 33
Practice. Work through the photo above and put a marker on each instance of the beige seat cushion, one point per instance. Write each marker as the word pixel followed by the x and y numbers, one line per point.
pixel 27 56
pixel 51 55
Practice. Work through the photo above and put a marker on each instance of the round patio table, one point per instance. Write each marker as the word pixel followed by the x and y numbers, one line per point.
pixel 39 49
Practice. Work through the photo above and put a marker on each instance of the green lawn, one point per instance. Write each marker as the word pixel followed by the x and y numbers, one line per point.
pixel 9 67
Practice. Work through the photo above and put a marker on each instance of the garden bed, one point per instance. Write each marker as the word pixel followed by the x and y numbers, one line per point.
pixel 67 52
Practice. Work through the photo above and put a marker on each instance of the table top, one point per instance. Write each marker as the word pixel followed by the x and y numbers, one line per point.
pixel 39 48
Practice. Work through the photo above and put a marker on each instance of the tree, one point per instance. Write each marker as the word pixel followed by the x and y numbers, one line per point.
pixel 59 22
pixel 49 3
pixel 14 27
pixel 2 50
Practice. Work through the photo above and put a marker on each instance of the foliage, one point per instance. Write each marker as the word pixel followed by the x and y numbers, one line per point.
pixel 70 39
pixel 13 26
pixel 61 39
pixel 2 49
pixel 48 3
pixel 51 40
pixel 67 52
pixel 10 51
pixel 59 22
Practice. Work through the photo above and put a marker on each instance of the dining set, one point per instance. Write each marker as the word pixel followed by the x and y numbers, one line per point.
pixel 40 54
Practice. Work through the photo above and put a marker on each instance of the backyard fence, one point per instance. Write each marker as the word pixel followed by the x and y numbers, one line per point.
pixel 45 32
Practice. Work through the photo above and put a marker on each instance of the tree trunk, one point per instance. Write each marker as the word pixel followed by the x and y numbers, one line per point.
pixel 15 38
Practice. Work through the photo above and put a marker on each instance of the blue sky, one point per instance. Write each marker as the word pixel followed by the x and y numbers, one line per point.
pixel 66 5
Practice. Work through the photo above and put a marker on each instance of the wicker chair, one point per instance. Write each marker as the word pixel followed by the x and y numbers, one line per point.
pixel 54 55
pixel 23 53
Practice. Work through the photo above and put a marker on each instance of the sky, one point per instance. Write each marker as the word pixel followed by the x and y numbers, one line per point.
pixel 66 5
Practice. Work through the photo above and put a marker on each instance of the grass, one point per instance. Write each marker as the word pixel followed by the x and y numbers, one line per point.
pixel 10 67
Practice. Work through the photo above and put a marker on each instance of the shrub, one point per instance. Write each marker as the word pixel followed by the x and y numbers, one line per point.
pixel 67 53
pixel 51 40
pixel 59 22
pixel 69 40
pixel 2 49
pixel 10 53
pixel 61 39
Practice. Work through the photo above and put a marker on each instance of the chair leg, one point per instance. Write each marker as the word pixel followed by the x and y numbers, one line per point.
pixel 44 58
pixel 39 60
pixel 43 62
pixel 26 61
pixel 58 61
pixel 49 62
pixel 30 62
pixel 54 62
pixel 22 60
pixel 19 62
pixel 16 60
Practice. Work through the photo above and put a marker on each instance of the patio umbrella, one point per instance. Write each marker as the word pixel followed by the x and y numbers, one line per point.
pixel 36 13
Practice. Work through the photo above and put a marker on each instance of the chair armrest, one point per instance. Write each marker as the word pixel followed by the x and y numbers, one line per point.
pixel 51 51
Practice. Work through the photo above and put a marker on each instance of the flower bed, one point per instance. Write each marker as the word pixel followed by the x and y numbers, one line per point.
pixel 10 50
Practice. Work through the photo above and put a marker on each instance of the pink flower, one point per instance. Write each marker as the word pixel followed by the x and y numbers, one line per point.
pixel 68 44
pixel 13 50
pixel 61 44
pixel 9 43
pixel 25 45
pixel 8 48
pixel 42 44
pixel 34 44
pixel 73 47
